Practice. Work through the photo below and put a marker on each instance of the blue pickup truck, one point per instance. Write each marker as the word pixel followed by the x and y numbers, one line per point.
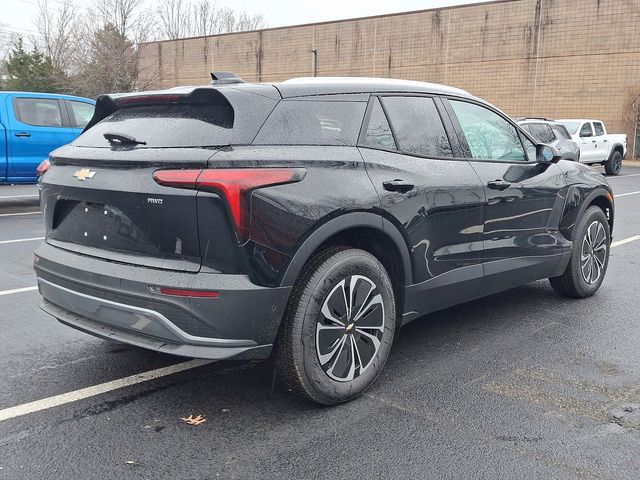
pixel 34 124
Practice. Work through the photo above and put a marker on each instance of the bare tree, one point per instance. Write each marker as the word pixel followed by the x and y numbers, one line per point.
pixel 176 22
pixel 181 18
pixel 59 33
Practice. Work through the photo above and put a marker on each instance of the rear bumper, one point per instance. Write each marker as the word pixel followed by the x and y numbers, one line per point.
pixel 114 301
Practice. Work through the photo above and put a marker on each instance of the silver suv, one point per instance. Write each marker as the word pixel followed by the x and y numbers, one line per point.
pixel 552 133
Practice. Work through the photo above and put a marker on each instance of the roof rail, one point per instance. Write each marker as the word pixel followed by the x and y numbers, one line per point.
pixel 218 78
pixel 519 119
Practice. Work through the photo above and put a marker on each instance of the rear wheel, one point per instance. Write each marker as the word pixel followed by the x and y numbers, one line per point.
pixel 589 259
pixel 614 164
pixel 338 327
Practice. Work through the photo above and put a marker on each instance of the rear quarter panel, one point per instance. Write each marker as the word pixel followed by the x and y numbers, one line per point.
pixel 283 216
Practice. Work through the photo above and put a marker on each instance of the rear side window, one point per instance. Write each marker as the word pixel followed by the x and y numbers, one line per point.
pixel 40 112
pixel 417 126
pixel 82 112
pixel 542 132
pixel 378 133
pixel 209 118
pixel 597 126
pixel 313 122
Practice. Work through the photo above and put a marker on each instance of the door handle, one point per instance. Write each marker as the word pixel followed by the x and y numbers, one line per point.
pixel 23 134
pixel 498 185
pixel 397 185
pixel 593 141
pixel 605 140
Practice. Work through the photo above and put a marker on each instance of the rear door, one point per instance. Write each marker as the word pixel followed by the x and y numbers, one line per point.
pixel 434 199
pixel 522 196
pixel 601 148
pixel 36 127
pixel 80 113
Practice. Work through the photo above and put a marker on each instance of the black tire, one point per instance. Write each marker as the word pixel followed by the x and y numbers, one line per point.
pixel 321 282
pixel 574 282
pixel 614 164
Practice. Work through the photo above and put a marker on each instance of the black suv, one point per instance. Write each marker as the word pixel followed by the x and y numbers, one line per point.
pixel 309 219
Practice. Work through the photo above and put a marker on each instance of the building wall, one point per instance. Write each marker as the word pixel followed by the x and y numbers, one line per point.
pixel 556 58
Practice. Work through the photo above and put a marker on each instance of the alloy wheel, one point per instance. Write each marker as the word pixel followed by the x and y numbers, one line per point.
pixel 349 328
pixel 594 252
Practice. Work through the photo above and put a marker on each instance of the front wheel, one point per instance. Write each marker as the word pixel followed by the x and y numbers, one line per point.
pixel 338 327
pixel 614 164
pixel 589 259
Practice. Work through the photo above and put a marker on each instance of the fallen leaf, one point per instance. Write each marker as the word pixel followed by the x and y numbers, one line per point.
pixel 225 410
pixel 191 420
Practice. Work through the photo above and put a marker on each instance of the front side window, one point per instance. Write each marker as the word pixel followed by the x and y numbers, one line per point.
pixel 585 131
pixel 39 112
pixel 417 126
pixel 489 136
pixel 597 126
pixel 82 112
pixel 378 133
pixel 313 122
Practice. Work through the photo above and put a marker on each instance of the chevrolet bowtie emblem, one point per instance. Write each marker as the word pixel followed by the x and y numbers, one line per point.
pixel 83 174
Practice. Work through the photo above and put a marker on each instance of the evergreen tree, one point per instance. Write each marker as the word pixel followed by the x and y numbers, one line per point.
pixel 32 71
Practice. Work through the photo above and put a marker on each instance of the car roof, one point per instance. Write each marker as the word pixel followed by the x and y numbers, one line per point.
pixel 302 86
pixel 46 95
pixel 521 121
pixel 581 120
pixel 307 86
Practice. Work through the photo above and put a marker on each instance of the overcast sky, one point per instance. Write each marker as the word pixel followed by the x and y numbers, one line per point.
pixel 19 17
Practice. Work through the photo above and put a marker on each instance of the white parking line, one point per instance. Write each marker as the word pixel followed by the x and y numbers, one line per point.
pixel 625 240
pixel 17 196
pixel 17 290
pixel 623 176
pixel 74 396
pixel 18 240
pixel 21 213
pixel 625 194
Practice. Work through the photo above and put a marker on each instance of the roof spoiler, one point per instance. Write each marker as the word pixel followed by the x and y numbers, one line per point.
pixel 218 78
pixel 108 104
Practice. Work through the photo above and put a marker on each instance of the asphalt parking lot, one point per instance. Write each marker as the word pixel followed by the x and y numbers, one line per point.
pixel 523 384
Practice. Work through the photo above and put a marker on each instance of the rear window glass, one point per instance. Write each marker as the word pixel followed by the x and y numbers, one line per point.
pixel 417 126
pixel 598 128
pixel 378 132
pixel 214 119
pixel 312 122
pixel 561 131
pixel 572 127
pixel 542 132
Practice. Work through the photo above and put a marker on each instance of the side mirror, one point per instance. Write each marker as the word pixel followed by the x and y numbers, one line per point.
pixel 547 154
pixel 585 134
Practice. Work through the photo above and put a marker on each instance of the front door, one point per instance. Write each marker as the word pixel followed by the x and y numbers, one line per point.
pixel 587 144
pixel 435 201
pixel 522 198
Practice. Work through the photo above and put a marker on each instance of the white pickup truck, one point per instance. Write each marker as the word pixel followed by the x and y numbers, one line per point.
pixel 596 145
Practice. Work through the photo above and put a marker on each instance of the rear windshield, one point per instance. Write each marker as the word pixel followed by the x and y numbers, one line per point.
pixel 561 131
pixel 313 122
pixel 230 119
pixel 572 127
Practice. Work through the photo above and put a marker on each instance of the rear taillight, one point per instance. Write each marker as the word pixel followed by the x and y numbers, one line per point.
pixel 235 185
pixel 43 167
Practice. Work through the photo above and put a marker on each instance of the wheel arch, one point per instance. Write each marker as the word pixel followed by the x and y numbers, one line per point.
pixel 364 230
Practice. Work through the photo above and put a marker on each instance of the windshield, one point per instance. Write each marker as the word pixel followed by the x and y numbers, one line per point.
pixel 571 126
